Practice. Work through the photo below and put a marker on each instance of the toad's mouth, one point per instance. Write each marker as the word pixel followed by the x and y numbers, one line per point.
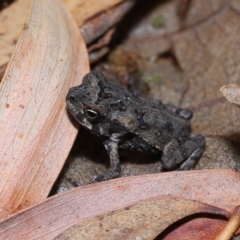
pixel 79 116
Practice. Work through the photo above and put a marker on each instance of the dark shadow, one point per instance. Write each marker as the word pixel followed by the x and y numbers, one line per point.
pixel 5 3
pixel 89 145
pixel 169 55
pixel 86 142
pixel 234 138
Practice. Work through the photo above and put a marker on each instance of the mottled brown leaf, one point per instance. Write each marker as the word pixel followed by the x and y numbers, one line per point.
pixel 207 53
pixel 144 220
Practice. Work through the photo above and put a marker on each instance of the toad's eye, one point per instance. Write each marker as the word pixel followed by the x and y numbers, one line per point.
pixel 92 114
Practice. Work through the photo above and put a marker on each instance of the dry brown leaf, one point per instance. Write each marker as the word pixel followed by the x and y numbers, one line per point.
pixel 144 220
pixel 96 26
pixel 84 9
pixel 11 27
pixel 67 209
pixel 35 131
pixel 206 52
pixel 150 40
pixel 232 93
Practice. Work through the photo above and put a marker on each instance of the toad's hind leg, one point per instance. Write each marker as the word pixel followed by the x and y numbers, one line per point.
pixel 183 156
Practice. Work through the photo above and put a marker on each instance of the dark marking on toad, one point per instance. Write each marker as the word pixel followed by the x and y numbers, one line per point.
pixel 128 121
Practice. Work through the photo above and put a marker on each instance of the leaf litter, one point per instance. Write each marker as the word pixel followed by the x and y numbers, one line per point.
pixel 192 59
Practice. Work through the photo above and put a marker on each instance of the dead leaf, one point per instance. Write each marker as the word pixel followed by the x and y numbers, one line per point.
pixel 11 27
pixel 144 220
pixel 97 55
pixel 64 210
pixel 232 93
pixel 207 55
pixel 149 41
pixel 50 57
pixel 84 9
pixel 103 41
pixel 96 26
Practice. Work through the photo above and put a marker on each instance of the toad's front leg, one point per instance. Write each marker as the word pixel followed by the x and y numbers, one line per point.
pixel 111 145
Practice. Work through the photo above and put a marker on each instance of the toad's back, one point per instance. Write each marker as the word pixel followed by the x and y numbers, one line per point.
pixel 149 120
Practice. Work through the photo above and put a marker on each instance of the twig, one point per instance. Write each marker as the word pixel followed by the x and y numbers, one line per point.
pixel 231 226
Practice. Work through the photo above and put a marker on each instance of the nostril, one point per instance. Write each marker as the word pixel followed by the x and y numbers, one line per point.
pixel 71 98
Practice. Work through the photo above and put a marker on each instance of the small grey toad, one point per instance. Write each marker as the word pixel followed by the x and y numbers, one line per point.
pixel 127 121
